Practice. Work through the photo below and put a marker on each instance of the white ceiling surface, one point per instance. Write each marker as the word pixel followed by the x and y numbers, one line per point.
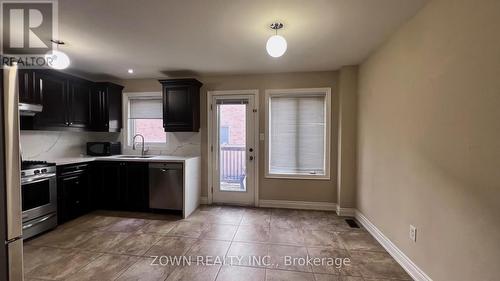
pixel 158 37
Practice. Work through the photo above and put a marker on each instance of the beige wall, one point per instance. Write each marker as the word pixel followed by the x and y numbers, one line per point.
pixel 269 189
pixel 347 129
pixel 429 139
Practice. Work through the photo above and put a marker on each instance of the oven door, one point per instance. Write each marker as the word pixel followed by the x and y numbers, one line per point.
pixel 39 196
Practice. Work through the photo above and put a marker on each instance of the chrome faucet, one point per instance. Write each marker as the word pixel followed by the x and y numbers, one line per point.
pixel 134 144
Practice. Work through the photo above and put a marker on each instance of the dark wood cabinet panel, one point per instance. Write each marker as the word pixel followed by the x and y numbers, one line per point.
pixel 69 102
pixel 121 186
pixel 53 92
pixel 74 194
pixel 27 93
pixel 106 107
pixel 79 103
pixel 181 105
pixel 136 177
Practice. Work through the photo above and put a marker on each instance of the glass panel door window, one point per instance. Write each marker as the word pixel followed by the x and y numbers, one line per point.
pixel 233 138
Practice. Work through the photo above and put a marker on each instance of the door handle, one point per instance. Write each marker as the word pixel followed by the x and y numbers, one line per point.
pixel 251 158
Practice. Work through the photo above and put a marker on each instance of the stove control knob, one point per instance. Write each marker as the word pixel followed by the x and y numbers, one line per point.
pixel 36 172
pixel 44 170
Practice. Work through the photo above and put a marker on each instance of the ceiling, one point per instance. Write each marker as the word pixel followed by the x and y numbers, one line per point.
pixel 161 38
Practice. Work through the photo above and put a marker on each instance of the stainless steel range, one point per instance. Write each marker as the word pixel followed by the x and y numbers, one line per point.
pixel 39 197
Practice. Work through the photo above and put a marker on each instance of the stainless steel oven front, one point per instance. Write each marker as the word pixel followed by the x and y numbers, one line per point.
pixel 39 200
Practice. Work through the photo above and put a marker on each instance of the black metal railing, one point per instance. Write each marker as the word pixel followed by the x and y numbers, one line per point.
pixel 232 163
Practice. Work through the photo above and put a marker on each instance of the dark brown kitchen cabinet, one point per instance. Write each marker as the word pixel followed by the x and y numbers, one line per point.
pixel 73 192
pixel 27 93
pixel 79 103
pixel 65 100
pixel 181 105
pixel 106 107
pixel 121 185
pixel 52 89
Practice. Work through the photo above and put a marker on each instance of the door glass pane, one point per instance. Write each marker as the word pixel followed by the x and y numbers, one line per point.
pixel 232 145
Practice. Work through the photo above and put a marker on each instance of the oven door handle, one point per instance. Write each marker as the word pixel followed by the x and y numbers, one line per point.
pixel 38 179
pixel 38 221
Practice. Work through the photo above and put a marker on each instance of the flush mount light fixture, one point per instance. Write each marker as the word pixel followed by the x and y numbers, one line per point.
pixel 57 59
pixel 276 44
pixel 130 71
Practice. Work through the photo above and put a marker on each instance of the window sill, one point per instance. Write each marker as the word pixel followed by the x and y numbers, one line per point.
pixel 297 177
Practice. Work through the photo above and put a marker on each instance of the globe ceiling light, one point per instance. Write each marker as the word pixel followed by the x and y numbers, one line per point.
pixel 57 59
pixel 276 45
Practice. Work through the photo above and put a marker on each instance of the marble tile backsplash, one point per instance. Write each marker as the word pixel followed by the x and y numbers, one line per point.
pixel 178 144
pixel 47 145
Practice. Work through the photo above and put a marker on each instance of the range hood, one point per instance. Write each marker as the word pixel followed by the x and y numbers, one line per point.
pixel 28 109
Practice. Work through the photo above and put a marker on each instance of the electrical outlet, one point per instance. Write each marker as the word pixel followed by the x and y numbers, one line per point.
pixel 413 233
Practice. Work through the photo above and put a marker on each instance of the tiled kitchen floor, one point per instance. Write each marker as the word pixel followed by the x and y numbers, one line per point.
pixel 119 246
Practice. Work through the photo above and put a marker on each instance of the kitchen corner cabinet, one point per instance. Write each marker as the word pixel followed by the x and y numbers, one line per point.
pixel 121 185
pixel 73 192
pixel 106 107
pixel 181 105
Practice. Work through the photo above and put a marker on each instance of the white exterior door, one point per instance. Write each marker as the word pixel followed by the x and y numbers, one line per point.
pixel 233 148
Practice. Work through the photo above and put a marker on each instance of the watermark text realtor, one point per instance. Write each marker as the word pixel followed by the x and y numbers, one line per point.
pixel 27 30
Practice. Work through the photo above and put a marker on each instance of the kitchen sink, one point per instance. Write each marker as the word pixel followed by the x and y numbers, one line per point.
pixel 135 156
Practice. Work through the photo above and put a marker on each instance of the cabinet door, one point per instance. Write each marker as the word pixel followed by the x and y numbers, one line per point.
pixel 114 106
pixel 52 90
pixel 112 194
pixel 177 109
pixel 27 92
pixel 97 110
pixel 135 177
pixel 75 197
pixel 79 104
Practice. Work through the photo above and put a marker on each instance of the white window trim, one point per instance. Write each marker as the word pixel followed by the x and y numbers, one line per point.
pixel 126 109
pixel 328 121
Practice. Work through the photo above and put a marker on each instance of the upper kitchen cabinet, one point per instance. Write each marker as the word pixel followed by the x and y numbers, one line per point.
pixel 106 107
pixel 27 93
pixel 181 105
pixel 52 89
pixel 65 100
pixel 78 96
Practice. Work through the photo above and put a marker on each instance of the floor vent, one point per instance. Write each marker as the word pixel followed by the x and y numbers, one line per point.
pixel 352 223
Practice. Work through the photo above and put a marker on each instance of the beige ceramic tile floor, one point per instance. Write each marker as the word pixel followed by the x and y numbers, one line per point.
pixel 105 246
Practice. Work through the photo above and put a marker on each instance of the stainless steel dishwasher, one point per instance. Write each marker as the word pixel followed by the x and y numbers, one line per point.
pixel 166 186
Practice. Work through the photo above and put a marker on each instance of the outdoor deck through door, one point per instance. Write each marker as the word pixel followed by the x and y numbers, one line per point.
pixel 234 151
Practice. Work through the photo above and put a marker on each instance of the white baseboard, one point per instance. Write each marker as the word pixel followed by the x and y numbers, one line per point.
pixel 304 205
pixel 203 200
pixel 345 212
pixel 411 268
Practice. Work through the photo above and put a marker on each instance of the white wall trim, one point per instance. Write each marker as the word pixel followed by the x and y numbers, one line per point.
pixel 305 205
pixel 411 268
pixel 203 200
pixel 345 212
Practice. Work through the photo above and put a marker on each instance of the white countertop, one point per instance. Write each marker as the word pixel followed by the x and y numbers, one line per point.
pixel 75 160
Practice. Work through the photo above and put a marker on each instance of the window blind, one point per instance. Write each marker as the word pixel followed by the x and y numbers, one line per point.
pixel 146 108
pixel 297 134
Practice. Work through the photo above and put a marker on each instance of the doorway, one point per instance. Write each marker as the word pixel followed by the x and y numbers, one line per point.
pixel 233 147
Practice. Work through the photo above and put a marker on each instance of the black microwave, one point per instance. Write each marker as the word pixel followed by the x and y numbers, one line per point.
pixel 104 148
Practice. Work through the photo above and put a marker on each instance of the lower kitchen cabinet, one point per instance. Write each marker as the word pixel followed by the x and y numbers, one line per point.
pixel 120 186
pixel 73 192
